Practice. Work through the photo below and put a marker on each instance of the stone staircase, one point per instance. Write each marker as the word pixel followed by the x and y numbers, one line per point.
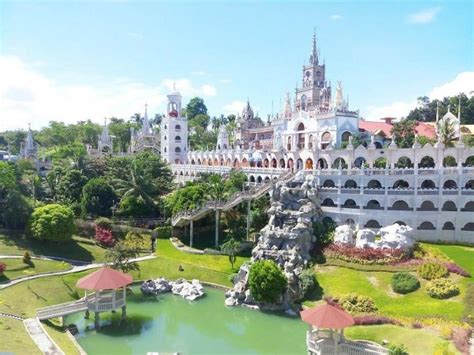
pixel 184 217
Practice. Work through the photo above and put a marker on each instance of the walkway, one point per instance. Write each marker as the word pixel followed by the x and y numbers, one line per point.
pixel 41 338
pixel 74 269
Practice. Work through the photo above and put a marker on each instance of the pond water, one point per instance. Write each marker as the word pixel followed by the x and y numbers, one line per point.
pixel 168 323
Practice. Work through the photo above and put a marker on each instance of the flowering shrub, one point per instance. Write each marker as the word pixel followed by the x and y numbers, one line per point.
pixel 374 320
pixel 403 282
pixel 431 271
pixel 354 303
pixel 461 337
pixel 442 288
pixel 104 237
pixel 417 325
pixel 365 256
pixel 456 269
pixel 3 267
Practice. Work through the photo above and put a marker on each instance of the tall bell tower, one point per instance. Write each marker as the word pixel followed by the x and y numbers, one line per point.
pixel 174 132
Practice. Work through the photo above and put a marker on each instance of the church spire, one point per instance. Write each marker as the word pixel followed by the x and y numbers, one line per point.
pixel 313 59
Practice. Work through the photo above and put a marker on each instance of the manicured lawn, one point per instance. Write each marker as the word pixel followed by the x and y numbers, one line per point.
pixel 17 268
pixel 17 244
pixel 461 255
pixel 214 262
pixel 15 339
pixel 418 341
pixel 61 338
pixel 338 281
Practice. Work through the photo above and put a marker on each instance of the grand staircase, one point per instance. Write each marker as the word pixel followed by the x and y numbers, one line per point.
pixel 182 218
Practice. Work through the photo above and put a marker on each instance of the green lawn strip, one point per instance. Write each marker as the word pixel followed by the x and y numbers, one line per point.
pixel 77 249
pixel 418 341
pixel 17 268
pixel 15 338
pixel 461 255
pixel 337 281
pixel 213 262
pixel 60 337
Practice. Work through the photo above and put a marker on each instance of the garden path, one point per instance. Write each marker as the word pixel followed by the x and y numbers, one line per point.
pixel 41 338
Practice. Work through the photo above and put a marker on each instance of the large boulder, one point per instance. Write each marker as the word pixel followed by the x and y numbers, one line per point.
pixel 396 236
pixel 365 238
pixel 344 234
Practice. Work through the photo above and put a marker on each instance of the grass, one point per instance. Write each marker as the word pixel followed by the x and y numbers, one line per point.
pixel 17 341
pixel 60 338
pixel 417 341
pixel 77 248
pixel 17 268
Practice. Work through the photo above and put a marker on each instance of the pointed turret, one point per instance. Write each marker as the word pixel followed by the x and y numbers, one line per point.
pixel 313 58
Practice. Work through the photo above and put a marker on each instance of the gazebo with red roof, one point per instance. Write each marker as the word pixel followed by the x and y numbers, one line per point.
pixel 109 288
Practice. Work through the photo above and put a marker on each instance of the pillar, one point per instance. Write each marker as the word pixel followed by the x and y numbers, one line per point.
pixel 87 315
pixel 124 312
pixel 217 229
pixel 249 202
pixel 191 233
pixel 96 319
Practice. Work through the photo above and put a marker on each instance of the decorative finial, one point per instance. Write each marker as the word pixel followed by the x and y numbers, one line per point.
pixel 174 85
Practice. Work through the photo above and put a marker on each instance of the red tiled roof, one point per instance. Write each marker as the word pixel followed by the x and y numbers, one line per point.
pixel 376 127
pixel 425 129
pixel 104 279
pixel 327 316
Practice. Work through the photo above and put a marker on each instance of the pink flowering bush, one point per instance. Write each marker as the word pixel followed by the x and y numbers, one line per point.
pixel 456 269
pixel 3 267
pixel 366 255
pixel 374 320
pixel 104 237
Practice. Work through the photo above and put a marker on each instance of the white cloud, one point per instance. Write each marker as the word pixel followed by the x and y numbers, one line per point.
pixel 462 83
pixel 27 96
pixel 235 107
pixel 199 73
pixel 424 16
pixel 336 17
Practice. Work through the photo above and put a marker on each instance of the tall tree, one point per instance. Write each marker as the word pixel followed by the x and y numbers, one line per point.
pixel 404 132
pixel 195 107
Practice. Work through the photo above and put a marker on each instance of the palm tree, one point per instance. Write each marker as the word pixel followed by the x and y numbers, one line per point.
pixel 216 190
pixel 447 132
pixel 139 184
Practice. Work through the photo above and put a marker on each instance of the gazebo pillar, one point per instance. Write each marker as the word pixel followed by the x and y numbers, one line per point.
pixel 124 307
pixel 96 313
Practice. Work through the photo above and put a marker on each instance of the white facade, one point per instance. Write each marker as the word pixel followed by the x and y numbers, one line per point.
pixel 174 132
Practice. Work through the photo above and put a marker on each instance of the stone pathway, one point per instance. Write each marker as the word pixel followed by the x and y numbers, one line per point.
pixel 41 338
pixel 74 269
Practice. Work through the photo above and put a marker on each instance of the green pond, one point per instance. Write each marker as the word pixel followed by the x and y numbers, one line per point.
pixel 168 324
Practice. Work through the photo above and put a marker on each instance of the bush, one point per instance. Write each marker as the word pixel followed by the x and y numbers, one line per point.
pixel 442 288
pixel 307 282
pixel 164 232
pixel 374 320
pixel 3 267
pixel 138 241
pixel 461 338
pixel 398 350
pixel 266 281
pixel 232 277
pixel 403 282
pixel 431 271
pixel 27 258
pixel 97 198
pixel 364 256
pixel 52 222
pixel 104 237
pixel 456 269
pixel 354 303
pixel 103 223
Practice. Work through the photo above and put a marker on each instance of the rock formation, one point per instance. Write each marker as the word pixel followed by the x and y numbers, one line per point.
pixel 287 239
pixel 188 290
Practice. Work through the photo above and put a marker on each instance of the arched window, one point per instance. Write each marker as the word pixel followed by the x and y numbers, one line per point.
pixel 345 136
pixel 427 206
pixel 403 163
pixel 308 165
pixel 282 163
pixel 380 163
pixel 359 162
pixel 288 144
pixel 448 226
pixel 322 163
pixel 449 162
pixel 449 206
pixel 469 185
pixel 400 206
pixel 177 139
pixel 300 127
pixel 328 202
pixel 374 184
pixel 350 203
pixel 468 207
pixel 450 184
pixel 401 223
pixel 252 178
pixel 426 226
pixel 339 162
pixel 177 150
pixel 350 184
pixel 401 184
pixel 428 184
pixel 468 227
pixel 373 205
pixel 372 224
pixel 177 128
pixel 426 162
pixel 328 183
pixel 326 137
pixel 469 161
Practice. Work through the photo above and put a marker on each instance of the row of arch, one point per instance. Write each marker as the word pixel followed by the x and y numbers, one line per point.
pixel 400 184
pixel 426 225
pixel 400 205
pixel 402 163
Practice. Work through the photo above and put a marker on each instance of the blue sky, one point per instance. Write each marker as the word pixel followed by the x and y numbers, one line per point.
pixel 79 60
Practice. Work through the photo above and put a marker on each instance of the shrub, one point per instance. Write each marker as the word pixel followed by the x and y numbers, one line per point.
pixel 307 283
pixel 27 258
pixel 398 350
pixel 3 267
pixel 417 325
pixel 403 282
pixel 104 237
pixel 164 232
pixel 431 271
pixel 137 241
pixel 354 303
pixel 442 349
pixel 442 288
pixel 456 269
pixel 103 223
pixel 374 320
pixel 461 338
pixel 232 277
pixel 266 281
pixel 97 198
pixel 52 222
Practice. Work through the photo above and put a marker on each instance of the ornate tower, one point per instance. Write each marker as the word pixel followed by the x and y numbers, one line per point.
pixel 222 138
pixel 315 93
pixel 174 132
pixel 105 145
